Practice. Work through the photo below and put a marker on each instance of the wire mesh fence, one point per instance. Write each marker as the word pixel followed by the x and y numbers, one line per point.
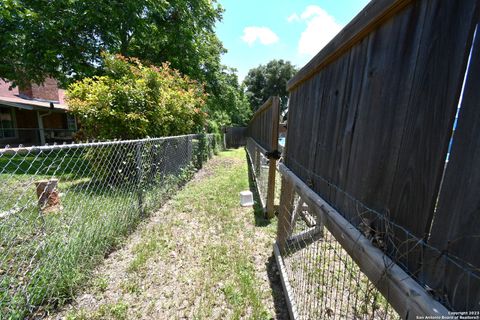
pixel 259 163
pixel 324 281
pixel 330 273
pixel 64 207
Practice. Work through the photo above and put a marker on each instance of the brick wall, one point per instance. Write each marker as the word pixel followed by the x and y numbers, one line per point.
pixel 46 91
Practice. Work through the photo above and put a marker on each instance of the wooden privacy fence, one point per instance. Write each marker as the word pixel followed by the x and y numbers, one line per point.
pixel 370 122
pixel 234 137
pixel 262 149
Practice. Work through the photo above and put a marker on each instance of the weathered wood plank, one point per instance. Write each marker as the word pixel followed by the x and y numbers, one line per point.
pixel 370 18
pixel 261 126
pixel 382 115
pixel 284 227
pixel 234 136
pixel 287 288
pixel 262 109
pixel 456 226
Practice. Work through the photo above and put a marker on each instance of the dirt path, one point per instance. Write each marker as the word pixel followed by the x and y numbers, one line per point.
pixel 201 256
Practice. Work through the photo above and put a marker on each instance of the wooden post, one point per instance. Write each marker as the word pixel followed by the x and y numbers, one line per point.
pixel 48 196
pixel 41 131
pixel 284 227
pixel 273 162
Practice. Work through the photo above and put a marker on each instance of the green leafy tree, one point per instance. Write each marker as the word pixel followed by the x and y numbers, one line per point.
pixel 228 104
pixel 134 101
pixel 269 80
pixel 64 38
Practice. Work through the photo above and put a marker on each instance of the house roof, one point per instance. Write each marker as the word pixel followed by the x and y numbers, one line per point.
pixel 10 97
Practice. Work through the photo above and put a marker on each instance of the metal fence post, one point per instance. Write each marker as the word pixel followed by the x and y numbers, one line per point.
pixel 201 150
pixel 189 150
pixel 224 136
pixel 139 166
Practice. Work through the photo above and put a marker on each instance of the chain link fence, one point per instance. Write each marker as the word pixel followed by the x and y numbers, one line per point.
pixel 64 207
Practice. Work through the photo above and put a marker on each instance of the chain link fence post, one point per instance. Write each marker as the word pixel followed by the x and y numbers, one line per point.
pixel 139 182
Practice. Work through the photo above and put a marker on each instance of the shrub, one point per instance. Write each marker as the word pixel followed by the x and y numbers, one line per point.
pixel 135 101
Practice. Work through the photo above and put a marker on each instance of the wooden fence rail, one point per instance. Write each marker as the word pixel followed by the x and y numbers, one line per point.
pixel 455 231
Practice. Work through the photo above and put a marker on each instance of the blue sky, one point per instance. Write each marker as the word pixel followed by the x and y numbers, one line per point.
pixel 257 31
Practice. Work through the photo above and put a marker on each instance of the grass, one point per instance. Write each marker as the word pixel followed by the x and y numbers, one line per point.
pixel 156 244
pixel 201 258
pixel 116 311
pixel 228 261
pixel 101 284
pixel 46 257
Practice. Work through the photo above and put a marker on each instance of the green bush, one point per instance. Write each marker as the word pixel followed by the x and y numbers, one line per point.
pixel 136 101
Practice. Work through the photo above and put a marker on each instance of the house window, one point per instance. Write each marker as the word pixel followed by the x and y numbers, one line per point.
pixel 71 123
pixel 7 127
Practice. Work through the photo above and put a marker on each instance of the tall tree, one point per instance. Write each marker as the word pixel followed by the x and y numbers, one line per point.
pixel 269 80
pixel 228 104
pixel 64 38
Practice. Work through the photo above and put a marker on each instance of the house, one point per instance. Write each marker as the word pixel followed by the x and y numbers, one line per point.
pixel 34 115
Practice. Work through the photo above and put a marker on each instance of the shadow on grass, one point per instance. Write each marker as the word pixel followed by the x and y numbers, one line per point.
pixel 279 302
pixel 260 219
pixel 280 305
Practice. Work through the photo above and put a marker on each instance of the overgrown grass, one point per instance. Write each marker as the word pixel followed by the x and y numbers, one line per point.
pixel 46 257
pixel 197 257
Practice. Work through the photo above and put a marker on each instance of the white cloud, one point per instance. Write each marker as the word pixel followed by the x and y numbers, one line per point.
pixel 263 34
pixel 321 28
pixel 293 17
